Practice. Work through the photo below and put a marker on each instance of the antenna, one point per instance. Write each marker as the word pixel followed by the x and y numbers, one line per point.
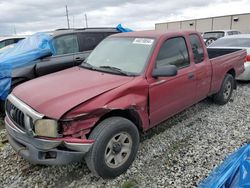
pixel 67 15
pixel 86 20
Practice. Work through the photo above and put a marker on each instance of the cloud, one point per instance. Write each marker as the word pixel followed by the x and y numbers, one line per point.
pixel 29 16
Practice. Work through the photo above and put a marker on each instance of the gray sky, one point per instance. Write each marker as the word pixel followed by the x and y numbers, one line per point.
pixel 29 16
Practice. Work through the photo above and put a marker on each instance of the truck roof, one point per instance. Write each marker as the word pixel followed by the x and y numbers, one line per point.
pixel 63 31
pixel 152 33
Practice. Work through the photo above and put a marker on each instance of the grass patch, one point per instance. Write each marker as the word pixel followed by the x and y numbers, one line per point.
pixel 129 184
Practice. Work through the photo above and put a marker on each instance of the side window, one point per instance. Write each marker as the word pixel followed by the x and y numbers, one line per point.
pixel 173 52
pixel 66 44
pixel 90 40
pixel 230 32
pixel 2 44
pixel 197 48
pixel 8 42
pixel 235 33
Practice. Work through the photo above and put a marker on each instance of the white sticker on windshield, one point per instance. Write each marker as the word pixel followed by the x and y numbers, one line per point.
pixel 143 41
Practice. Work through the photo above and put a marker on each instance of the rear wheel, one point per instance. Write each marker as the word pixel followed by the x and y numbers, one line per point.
pixel 226 90
pixel 115 147
pixel 210 41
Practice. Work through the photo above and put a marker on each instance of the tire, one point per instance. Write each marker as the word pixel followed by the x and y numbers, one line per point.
pixel 210 41
pixel 226 90
pixel 110 140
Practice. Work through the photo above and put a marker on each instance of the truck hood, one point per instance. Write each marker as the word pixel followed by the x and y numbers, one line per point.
pixel 55 94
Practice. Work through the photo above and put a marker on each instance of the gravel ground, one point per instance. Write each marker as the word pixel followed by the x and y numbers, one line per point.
pixel 180 152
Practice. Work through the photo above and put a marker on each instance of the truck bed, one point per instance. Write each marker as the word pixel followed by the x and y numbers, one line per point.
pixel 216 52
pixel 223 60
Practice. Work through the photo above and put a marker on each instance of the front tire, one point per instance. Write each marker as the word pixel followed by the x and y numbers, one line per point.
pixel 115 147
pixel 226 90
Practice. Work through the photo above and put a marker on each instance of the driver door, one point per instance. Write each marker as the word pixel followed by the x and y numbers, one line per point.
pixel 170 95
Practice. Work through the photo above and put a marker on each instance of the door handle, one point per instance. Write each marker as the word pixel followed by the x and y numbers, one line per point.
pixel 78 59
pixel 190 76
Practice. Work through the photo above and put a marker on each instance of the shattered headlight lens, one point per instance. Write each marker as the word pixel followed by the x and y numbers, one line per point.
pixel 46 128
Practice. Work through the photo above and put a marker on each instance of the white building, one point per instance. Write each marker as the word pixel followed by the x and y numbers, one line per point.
pixel 240 22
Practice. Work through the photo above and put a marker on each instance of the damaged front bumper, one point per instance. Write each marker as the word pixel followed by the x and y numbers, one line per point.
pixel 46 151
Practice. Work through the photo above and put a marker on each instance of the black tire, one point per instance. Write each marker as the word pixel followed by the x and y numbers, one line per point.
pixel 210 41
pixel 226 90
pixel 103 133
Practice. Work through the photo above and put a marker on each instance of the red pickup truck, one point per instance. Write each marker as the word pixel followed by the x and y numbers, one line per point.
pixel 129 83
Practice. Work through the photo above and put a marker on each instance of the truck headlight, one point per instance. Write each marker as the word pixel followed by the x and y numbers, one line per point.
pixel 46 127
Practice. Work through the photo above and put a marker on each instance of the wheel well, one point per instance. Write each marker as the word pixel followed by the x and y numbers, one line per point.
pixel 232 72
pixel 129 114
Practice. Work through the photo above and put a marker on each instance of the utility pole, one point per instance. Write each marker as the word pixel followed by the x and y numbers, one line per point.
pixel 67 15
pixel 86 20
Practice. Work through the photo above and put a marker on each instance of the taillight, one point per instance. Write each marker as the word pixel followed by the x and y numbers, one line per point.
pixel 248 58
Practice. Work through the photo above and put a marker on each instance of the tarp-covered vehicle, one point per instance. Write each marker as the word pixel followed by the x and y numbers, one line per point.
pixel 43 54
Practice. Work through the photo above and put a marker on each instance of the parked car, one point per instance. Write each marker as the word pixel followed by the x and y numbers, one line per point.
pixel 211 36
pixel 72 47
pixel 130 82
pixel 6 41
pixel 236 42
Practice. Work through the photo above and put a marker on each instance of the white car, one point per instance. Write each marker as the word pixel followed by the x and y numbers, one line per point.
pixel 236 42
pixel 5 41
pixel 211 36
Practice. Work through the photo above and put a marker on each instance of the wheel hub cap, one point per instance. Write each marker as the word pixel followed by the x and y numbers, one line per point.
pixel 118 150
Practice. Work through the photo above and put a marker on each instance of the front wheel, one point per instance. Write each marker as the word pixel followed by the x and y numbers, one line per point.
pixel 115 147
pixel 226 90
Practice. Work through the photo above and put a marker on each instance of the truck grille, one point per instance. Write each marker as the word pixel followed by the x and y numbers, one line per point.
pixel 16 115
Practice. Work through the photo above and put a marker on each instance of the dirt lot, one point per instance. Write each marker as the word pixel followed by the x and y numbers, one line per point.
pixel 180 152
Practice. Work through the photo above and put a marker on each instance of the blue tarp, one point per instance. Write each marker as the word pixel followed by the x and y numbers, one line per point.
pixel 234 172
pixel 23 54
pixel 120 28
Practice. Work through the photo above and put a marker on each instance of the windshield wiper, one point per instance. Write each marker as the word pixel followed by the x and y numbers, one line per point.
pixel 115 69
pixel 88 66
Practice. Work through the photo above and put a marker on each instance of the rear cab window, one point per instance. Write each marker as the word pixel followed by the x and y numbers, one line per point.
pixel 197 48
pixel 214 34
pixel 173 52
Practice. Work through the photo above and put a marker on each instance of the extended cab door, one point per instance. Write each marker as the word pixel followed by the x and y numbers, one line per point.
pixel 202 66
pixel 65 47
pixel 169 95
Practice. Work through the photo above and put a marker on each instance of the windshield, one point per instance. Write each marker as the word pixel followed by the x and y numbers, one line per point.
pixel 129 55
pixel 232 42
pixel 213 35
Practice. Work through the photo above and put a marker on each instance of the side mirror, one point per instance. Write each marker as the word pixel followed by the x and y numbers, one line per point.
pixel 167 71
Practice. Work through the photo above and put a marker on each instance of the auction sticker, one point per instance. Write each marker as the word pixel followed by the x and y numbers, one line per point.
pixel 143 41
